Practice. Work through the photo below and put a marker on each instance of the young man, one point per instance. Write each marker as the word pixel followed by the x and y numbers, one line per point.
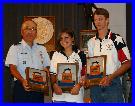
pixel 118 59
pixel 26 54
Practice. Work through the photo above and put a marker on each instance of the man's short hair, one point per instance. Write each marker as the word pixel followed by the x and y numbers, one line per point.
pixel 101 11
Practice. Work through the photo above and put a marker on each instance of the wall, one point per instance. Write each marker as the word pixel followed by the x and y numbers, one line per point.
pixel 117 17
pixel 66 15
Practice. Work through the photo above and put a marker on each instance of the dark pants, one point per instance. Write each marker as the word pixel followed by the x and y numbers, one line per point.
pixel 20 95
pixel 109 94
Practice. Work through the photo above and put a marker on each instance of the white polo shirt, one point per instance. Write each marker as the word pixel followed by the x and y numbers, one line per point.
pixel 59 57
pixel 22 55
pixel 113 46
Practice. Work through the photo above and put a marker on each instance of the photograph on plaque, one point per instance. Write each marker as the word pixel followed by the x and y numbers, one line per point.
pixel 67 75
pixel 96 69
pixel 85 35
pixel 37 80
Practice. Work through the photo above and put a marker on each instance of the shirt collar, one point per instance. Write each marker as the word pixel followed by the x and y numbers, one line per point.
pixel 24 44
pixel 62 52
pixel 107 35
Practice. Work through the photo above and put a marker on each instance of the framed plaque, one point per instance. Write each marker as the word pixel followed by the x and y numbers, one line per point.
pixel 67 75
pixel 85 35
pixel 96 69
pixel 37 79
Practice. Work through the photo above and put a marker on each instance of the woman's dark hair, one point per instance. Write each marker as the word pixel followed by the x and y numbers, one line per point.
pixel 71 34
pixel 101 11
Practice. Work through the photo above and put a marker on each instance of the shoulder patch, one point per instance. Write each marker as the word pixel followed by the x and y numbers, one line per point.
pixel 40 44
pixel 16 44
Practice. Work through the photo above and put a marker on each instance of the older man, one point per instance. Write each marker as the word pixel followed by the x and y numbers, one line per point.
pixel 26 54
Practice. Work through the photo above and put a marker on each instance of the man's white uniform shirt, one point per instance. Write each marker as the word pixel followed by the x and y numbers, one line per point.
pixel 22 55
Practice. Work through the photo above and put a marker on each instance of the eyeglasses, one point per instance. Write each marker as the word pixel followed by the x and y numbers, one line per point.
pixel 30 29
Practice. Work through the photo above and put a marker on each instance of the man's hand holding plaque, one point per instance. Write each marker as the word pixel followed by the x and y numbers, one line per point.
pixel 96 70
pixel 36 80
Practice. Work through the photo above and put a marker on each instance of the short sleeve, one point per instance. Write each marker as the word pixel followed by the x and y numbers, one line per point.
pixel 122 49
pixel 12 56
pixel 82 57
pixel 54 61
pixel 83 60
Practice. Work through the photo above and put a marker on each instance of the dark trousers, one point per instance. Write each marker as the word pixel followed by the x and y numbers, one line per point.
pixel 20 95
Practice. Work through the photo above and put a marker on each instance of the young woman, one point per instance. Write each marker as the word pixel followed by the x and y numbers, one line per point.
pixel 67 54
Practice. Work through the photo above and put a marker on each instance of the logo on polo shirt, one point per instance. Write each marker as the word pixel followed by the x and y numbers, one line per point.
pixel 109 46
